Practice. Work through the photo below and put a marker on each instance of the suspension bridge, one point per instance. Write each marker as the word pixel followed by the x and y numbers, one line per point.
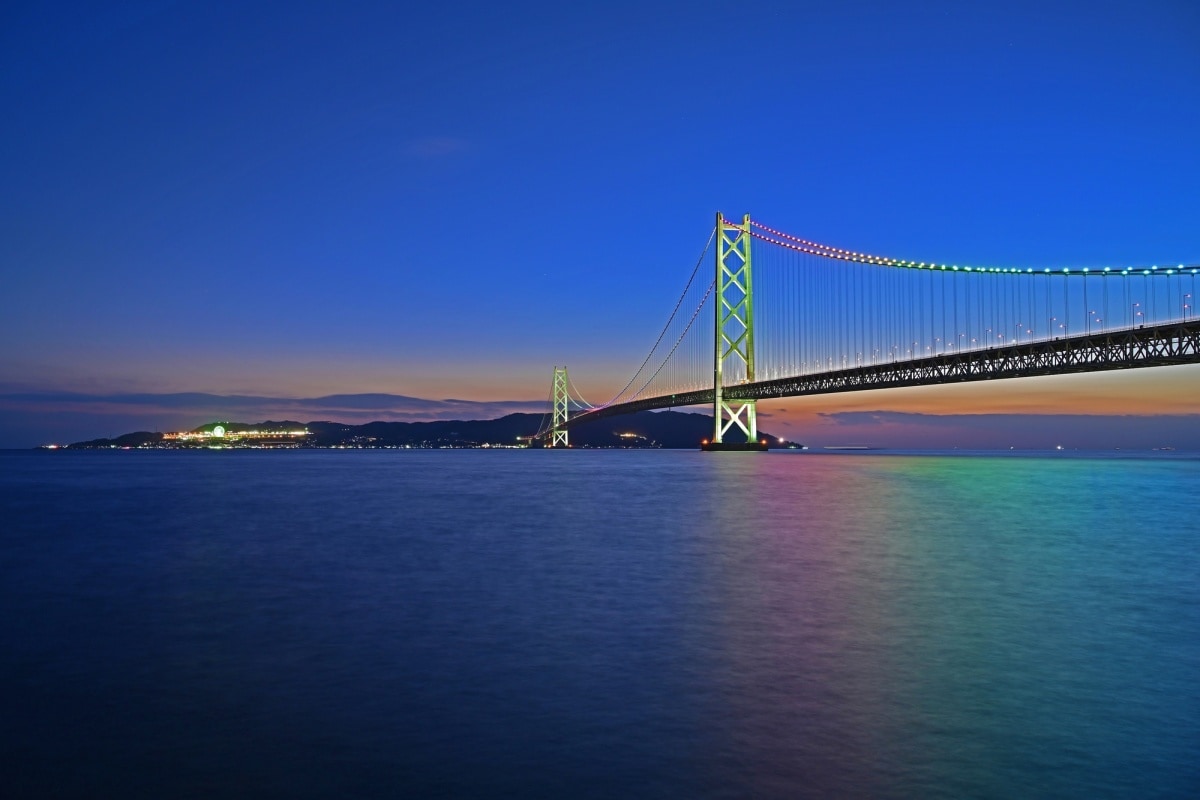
pixel 784 316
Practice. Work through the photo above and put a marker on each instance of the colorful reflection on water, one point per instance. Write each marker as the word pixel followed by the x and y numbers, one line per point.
pixel 599 624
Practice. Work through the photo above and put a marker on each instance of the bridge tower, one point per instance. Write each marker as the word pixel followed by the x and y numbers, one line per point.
pixel 558 436
pixel 734 339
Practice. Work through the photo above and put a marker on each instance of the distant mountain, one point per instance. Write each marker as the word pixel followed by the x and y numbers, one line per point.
pixel 137 439
pixel 647 429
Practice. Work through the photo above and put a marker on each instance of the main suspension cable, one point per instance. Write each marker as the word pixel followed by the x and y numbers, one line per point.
pixel 670 319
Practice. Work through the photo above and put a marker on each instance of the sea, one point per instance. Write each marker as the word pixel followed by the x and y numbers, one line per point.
pixel 599 624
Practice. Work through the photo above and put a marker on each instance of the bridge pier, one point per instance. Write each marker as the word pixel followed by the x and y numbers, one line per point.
pixel 726 447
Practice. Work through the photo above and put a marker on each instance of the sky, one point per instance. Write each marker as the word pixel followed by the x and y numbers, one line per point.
pixel 409 211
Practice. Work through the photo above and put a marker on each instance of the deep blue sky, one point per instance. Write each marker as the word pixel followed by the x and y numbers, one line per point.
pixel 445 200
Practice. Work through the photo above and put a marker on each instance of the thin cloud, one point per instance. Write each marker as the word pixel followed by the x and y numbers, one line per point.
pixel 250 408
pixel 431 147
pixel 1001 431
pixel 29 418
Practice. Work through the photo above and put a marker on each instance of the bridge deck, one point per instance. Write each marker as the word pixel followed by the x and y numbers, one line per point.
pixel 1129 348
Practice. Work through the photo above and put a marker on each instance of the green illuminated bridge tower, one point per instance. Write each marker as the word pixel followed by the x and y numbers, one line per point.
pixel 734 337
pixel 560 408
pixel 791 317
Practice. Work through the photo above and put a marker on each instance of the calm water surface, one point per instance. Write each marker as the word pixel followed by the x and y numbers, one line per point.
pixel 597 624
